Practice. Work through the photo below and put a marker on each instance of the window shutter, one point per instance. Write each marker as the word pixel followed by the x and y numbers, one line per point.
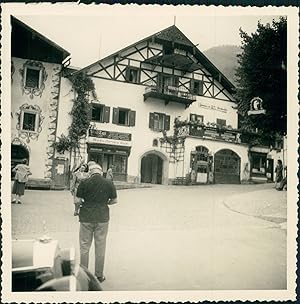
pixel 127 73
pixel 115 116
pixel 167 122
pixel 106 114
pixel 151 121
pixel 192 86
pixel 132 118
pixel 200 88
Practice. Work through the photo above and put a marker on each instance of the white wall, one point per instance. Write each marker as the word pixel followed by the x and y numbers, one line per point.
pixel 212 109
pixel 121 94
pixel 40 161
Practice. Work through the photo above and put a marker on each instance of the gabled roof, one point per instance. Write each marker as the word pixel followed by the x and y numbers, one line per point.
pixel 28 43
pixel 173 35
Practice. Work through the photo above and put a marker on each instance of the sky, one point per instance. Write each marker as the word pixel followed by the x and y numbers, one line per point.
pixel 92 33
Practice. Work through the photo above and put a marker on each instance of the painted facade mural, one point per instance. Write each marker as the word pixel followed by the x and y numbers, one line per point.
pixel 34 104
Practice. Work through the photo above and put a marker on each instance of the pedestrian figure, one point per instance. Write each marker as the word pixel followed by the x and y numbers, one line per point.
pixel 279 172
pixel 22 171
pixel 193 176
pixel 79 174
pixel 95 194
pixel 109 173
pixel 283 183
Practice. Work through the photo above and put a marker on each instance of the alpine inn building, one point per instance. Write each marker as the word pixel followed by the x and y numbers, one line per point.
pixel 141 90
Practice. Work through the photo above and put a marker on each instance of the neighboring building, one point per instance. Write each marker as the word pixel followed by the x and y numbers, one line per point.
pixel 36 65
pixel 141 90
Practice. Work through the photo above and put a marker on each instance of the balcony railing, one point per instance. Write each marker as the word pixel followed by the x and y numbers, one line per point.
pixel 215 133
pixel 170 93
pixel 229 135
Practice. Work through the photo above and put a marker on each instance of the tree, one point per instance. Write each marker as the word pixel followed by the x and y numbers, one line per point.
pixel 262 73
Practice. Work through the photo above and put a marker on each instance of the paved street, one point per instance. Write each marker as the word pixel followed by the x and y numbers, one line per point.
pixel 171 238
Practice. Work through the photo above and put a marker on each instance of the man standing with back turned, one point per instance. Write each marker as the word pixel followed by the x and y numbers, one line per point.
pixel 94 194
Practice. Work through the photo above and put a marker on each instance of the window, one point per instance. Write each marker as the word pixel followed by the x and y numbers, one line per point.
pixel 165 81
pixel 258 162
pixel 221 122
pixel 159 121
pixel 196 87
pixel 155 142
pixel 100 113
pixel 120 164
pixel 32 77
pixel 124 117
pixel 196 118
pixel 132 75
pixel 29 121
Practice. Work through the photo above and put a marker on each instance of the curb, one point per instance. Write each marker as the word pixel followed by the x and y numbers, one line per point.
pixel 270 218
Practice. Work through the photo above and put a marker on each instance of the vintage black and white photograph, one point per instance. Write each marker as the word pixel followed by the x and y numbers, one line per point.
pixel 149 153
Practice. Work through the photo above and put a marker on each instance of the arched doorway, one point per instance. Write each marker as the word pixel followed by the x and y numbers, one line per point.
pixel 227 167
pixel 18 153
pixel 152 169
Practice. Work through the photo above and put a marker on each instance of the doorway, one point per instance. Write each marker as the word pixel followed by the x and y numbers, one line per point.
pixel 152 169
pixel 227 167
pixel 18 154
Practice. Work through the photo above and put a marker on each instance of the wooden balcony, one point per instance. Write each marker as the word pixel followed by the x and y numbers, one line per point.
pixel 169 93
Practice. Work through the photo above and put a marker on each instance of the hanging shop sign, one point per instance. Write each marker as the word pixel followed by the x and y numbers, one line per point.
pixel 211 107
pixel 109 138
pixel 256 106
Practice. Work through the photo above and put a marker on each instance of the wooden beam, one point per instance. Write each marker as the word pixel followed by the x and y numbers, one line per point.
pixel 105 69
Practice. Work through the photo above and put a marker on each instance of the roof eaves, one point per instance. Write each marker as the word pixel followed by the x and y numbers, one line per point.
pixel 121 50
pixel 224 81
pixel 65 52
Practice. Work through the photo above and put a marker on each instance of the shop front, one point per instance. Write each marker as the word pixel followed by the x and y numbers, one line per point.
pixel 261 169
pixel 110 149
pixel 259 166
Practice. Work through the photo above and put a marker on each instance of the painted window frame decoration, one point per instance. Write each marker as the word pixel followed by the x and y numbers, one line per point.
pixel 33 91
pixel 25 133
